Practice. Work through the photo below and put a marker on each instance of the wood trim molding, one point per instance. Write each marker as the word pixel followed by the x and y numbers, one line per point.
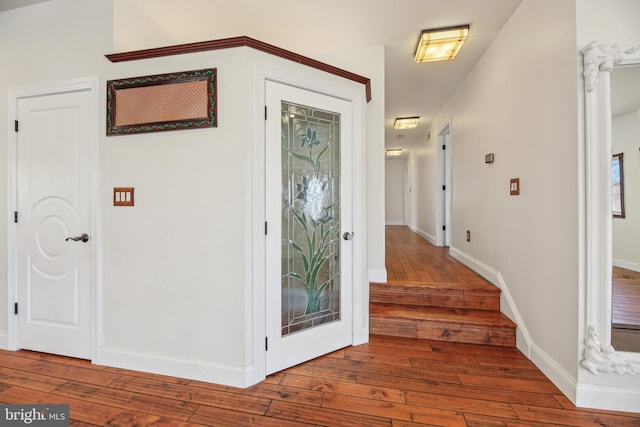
pixel 239 42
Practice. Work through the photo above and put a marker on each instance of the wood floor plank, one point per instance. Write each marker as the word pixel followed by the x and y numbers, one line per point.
pixel 421 414
pixel 461 404
pixel 325 416
pixel 218 417
pixel 573 417
pixel 460 390
pixel 346 388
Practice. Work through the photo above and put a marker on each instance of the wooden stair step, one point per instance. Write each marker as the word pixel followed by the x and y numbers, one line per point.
pixel 444 324
pixel 480 296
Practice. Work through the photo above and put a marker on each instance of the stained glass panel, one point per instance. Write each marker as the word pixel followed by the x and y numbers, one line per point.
pixel 310 217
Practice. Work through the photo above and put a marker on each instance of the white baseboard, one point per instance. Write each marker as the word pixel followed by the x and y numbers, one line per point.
pixel 629 265
pixel 4 340
pixel 428 237
pixel 556 373
pixel 377 275
pixel 395 223
pixel 190 369
pixel 608 397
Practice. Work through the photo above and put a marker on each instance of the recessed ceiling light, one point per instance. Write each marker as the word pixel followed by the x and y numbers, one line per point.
pixel 441 44
pixel 406 122
pixel 393 152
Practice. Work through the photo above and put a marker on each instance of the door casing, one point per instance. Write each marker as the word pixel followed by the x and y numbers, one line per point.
pixel 91 85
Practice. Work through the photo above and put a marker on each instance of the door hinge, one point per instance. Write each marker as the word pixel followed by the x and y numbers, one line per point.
pixel 265 112
pixel 15 125
pixel 444 147
pixel 265 228
pixel 15 308
pixel 266 343
pixel 444 228
pixel 444 188
pixel 15 216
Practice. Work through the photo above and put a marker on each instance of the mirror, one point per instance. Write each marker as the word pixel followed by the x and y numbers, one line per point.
pixel 625 176
pixel 600 356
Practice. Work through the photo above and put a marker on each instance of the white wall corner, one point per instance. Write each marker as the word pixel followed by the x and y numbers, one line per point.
pixel 556 373
pixel 377 275
pixel 428 237
pixel 4 340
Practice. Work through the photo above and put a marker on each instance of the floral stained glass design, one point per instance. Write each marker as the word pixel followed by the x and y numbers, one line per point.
pixel 310 217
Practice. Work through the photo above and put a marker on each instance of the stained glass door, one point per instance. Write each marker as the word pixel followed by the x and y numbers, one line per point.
pixel 308 201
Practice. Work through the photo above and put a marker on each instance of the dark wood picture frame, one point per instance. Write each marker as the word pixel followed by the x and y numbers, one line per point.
pixel 167 119
pixel 617 191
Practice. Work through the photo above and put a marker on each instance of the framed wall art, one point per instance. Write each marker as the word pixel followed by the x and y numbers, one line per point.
pixel 162 102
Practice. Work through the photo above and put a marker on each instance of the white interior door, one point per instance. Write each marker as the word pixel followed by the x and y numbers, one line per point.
pixel 55 286
pixel 309 216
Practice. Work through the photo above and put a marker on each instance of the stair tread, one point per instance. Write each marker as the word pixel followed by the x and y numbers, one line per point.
pixel 439 286
pixel 439 314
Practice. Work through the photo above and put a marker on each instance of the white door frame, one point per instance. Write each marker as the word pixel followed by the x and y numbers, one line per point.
pixel 91 85
pixel 443 201
pixel 255 309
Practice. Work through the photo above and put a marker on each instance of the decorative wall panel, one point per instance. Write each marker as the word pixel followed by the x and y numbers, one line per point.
pixel 183 100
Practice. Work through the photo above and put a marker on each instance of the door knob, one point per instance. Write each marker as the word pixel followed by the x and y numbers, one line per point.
pixel 347 235
pixel 84 237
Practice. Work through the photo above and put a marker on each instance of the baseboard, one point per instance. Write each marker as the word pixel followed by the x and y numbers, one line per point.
pixel 183 368
pixel 395 223
pixel 608 397
pixel 4 340
pixel 377 275
pixel 428 237
pixel 556 373
pixel 628 265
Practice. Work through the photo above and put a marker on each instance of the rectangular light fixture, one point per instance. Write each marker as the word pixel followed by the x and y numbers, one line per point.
pixel 441 44
pixel 406 122
pixel 393 152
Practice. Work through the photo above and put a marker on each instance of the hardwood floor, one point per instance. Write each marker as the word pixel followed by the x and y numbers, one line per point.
pixel 626 298
pixel 392 382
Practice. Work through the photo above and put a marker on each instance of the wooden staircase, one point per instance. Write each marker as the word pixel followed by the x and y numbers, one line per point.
pixel 456 312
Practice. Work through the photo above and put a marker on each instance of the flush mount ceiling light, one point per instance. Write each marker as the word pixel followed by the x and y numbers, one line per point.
pixel 406 122
pixel 441 44
pixel 393 152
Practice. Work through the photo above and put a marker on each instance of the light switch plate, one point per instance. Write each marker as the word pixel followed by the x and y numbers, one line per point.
pixel 123 196
pixel 514 186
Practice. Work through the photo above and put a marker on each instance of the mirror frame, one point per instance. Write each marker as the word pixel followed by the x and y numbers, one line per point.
pixel 599 354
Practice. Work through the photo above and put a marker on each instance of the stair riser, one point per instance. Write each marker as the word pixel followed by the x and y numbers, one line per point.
pixel 455 332
pixel 436 299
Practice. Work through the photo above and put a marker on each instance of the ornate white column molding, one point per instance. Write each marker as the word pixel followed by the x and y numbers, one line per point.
pixel 599 355
pixel 602 58
pixel 599 358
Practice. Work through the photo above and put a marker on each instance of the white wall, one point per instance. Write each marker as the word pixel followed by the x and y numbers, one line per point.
pixel 519 102
pixel 394 191
pixel 178 279
pixel 423 168
pixel 626 231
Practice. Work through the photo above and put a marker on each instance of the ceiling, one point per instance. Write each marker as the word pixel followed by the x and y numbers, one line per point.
pixel 319 28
